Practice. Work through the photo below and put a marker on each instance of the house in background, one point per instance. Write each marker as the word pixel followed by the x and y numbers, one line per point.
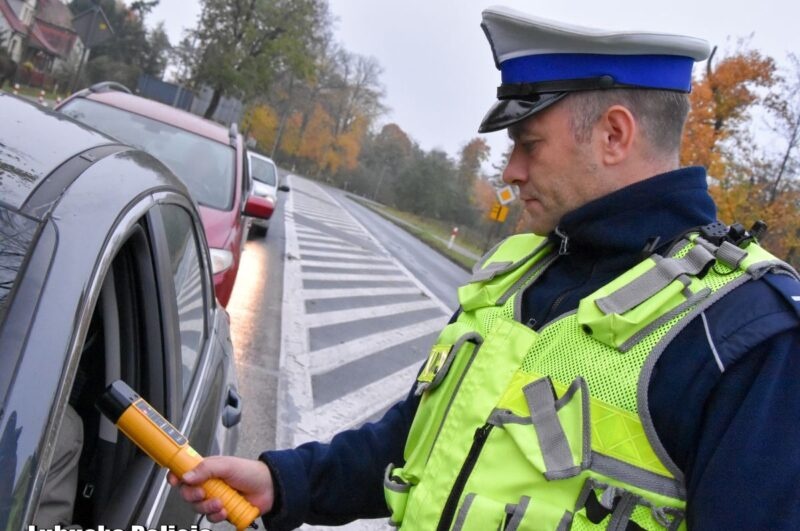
pixel 52 40
pixel 40 35
pixel 16 16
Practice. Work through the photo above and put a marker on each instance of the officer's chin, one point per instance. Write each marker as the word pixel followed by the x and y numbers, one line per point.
pixel 536 223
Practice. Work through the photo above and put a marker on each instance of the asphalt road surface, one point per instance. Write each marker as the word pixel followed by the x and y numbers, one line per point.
pixel 332 314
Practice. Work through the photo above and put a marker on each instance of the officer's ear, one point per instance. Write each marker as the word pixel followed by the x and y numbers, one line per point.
pixel 617 132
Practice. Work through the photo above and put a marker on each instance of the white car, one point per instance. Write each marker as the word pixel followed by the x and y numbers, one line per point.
pixel 264 173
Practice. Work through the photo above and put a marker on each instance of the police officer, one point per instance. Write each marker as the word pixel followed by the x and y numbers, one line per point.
pixel 631 365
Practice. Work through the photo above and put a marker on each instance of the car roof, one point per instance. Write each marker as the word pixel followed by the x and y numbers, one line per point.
pixel 163 113
pixel 24 159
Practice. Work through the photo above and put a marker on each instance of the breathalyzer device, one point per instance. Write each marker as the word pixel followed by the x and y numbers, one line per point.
pixel 167 446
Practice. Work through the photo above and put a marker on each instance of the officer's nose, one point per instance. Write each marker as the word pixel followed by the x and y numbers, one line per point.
pixel 516 170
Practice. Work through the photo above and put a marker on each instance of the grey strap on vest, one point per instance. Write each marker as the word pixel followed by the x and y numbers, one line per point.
pixel 481 274
pixel 491 271
pixel 517 513
pixel 731 255
pixel 648 284
pixel 552 440
pixel 461 517
pixel 622 512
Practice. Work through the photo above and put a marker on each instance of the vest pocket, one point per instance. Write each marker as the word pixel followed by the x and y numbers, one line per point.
pixel 481 513
pixel 438 383
pixel 559 445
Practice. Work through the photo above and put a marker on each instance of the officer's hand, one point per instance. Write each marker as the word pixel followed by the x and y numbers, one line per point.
pixel 250 477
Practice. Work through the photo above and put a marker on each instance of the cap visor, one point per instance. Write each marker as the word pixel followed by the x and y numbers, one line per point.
pixel 508 112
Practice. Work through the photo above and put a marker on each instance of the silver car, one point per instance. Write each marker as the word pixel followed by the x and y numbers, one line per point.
pixel 264 173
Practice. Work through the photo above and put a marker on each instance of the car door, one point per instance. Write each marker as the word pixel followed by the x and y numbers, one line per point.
pixel 201 376
pixel 149 318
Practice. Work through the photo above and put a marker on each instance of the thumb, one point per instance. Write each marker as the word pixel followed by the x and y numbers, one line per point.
pixel 210 467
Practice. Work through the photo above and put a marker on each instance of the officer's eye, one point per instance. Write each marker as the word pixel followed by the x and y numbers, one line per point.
pixel 528 145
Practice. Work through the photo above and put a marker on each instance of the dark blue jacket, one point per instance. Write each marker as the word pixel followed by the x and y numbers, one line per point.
pixel 724 397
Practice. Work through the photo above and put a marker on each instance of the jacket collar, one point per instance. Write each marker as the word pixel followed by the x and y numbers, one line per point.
pixel 624 222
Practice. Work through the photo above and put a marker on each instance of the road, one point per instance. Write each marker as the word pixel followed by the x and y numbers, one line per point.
pixel 331 316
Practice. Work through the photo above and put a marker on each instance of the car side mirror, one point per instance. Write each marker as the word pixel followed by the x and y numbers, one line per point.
pixel 258 207
pixel 283 188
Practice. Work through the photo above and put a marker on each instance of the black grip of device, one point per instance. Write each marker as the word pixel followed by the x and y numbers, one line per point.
pixel 116 399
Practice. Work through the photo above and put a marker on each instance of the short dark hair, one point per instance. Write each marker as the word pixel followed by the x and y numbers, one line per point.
pixel 660 113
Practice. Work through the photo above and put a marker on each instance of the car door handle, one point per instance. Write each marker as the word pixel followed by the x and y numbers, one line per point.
pixel 232 412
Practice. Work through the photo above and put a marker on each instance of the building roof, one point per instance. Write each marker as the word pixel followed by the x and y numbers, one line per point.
pixel 51 39
pixel 11 16
pixel 55 13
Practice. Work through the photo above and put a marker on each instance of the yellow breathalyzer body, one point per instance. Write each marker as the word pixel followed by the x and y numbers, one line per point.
pixel 167 446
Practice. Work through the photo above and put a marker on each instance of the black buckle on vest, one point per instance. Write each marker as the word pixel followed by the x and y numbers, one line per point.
pixel 596 513
pixel 718 232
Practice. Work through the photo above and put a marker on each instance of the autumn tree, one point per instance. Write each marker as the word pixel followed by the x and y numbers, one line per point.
pixel 261 122
pixel 383 157
pixel 718 126
pixel 427 185
pixel 747 181
pixel 132 50
pixel 242 44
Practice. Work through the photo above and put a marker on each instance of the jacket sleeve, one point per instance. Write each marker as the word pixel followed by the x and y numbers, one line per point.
pixel 340 481
pixel 745 471
pixel 735 374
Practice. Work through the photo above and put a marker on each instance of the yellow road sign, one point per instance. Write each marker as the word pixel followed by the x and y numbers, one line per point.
pixel 505 195
pixel 498 213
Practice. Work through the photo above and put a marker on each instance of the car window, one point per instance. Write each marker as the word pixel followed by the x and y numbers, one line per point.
pixel 206 167
pixel 123 340
pixel 188 274
pixel 262 170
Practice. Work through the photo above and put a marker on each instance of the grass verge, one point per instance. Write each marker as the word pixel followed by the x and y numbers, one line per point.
pixel 423 230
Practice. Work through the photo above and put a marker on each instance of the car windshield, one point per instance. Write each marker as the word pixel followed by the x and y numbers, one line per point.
pixel 263 171
pixel 206 167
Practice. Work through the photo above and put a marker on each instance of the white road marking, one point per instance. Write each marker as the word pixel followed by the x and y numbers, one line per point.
pixel 350 411
pixel 357 314
pixel 340 246
pixel 387 266
pixel 353 276
pixel 298 420
pixel 326 359
pixel 357 292
pixel 365 258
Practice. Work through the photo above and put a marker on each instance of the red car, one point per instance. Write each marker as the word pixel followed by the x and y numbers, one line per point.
pixel 208 157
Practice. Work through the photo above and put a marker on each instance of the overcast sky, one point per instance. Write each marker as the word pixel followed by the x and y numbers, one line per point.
pixel 438 71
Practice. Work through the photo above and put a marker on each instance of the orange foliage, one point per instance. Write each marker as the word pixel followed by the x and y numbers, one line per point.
pixel 348 147
pixel 317 136
pixel 261 122
pixel 485 196
pixel 392 134
pixel 290 139
pixel 718 136
pixel 720 102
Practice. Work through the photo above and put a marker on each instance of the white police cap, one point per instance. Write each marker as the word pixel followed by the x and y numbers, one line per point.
pixel 541 61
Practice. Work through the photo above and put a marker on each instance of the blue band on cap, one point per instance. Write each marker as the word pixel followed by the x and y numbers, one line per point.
pixel 669 72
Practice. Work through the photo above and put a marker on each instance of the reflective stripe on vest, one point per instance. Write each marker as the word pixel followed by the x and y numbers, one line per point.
pixel 519 429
